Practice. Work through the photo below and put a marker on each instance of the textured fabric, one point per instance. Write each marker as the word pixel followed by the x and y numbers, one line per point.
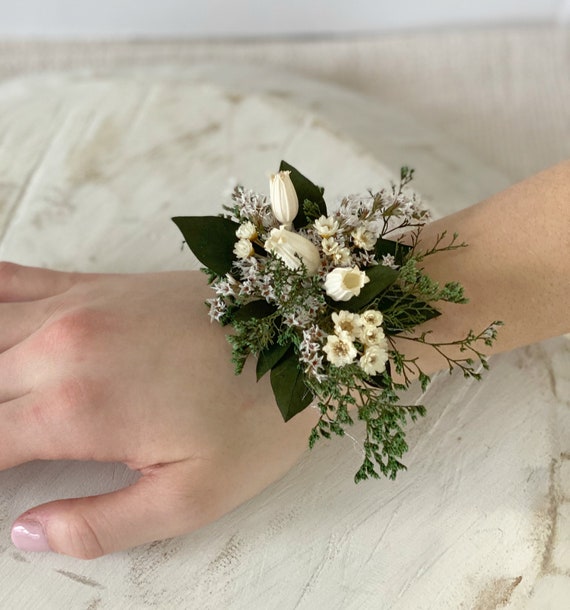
pixel 503 92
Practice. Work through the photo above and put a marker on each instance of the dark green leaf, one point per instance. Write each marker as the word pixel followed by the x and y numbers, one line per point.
pixel 211 239
pixel 409 311
pixel 380 381
pixel 287 381
pixel 305 189
pixel 255 309
pixel 269 357
pixel 396 249
pixel 381 277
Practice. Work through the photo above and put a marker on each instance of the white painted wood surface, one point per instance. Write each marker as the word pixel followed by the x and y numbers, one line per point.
pixel 92 166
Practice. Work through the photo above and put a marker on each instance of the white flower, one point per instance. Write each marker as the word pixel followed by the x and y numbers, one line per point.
pixel 347 322
pixel 329 245
pixel 341 284
pixel 372 317
pixel 326 226
pixel 388 260
pixel 374 359
pixel 373 335
pixel 247 230
pixel 284 200
pixel 243 248
pixel 340 349
pixel 293 248
pixel 363 239
pixel 341 256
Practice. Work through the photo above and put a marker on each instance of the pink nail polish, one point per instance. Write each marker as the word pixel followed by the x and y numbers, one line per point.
pixel 29 535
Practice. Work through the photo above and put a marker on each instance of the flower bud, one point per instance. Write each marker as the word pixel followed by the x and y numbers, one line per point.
pixel 284 200
pixel 343 283
pixel 293 248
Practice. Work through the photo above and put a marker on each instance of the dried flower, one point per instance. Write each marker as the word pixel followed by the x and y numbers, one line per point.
pixel 347 322
pixel 372 317
pixel 363 238
pixel 326 226
pixel 243 248
pixel 284 200
pixel 343 283
pixel 293 248
pixel 247 230
pixel 374 359
pixel 340 349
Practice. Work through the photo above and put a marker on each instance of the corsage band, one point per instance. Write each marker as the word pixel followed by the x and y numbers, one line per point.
pixel 318 298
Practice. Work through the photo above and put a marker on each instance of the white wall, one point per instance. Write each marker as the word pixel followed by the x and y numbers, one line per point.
pixel 200 18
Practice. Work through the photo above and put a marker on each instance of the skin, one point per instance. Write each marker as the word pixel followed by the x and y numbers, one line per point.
pixel 128 368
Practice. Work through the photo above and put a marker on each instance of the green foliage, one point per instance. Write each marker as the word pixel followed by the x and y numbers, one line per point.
pixel 270 357
pixel 381 277
pixel 211 239
pixel 288 382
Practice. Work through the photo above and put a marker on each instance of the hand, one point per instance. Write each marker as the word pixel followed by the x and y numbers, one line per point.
pixel 129 368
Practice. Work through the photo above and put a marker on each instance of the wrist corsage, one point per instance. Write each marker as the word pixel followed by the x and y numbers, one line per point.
pixel 318 298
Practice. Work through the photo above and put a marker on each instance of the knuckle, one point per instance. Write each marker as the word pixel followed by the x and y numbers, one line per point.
pixel 81 538
pixel 72 331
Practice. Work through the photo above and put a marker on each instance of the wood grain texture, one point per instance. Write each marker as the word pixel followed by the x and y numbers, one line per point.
pixel 92 167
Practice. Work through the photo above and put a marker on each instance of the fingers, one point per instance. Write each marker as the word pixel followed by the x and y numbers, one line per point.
pixel 154 508
pixel 20 320
pixel 21 283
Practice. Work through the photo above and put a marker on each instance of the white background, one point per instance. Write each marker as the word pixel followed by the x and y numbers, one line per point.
pixel 235 18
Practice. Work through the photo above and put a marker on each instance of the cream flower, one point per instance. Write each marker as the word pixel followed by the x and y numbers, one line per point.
pixel 243 248
pixel 343 283
pixel 373 335
pixel 374 359
pixel 284 200
pixel 372 317
pixel 347 322
pixel 341 256
pixel 363 239
pixel 340 349
pixel 326 226
pixel 329 245
pixel 247 230
pixel 293 248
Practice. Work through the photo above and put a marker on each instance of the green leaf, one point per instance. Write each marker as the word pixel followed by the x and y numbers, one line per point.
pixel 305 190
pixel 255 309
pixel 396 249
pixel 381 277
pixel 380 380
pixel 269 357
pixel 211 239
pixel 409 311
pixel 287 381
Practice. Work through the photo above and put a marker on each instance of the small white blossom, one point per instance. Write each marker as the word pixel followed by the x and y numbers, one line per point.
pixel 374 359
pixel 247 230
pixel 228 287
pixel 373 335
pixel 329 245
pixel 388 260
pixel 341 257
pixel 293 248
pixel 284 200
pixel 326 226
pixel 363 238
pixel 347 322
pixel 243 248
pixel 372 317
pixel 341 284
pixel 340 349
pixel 217 309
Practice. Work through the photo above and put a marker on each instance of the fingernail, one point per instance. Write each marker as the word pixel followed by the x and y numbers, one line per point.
pixel 29 535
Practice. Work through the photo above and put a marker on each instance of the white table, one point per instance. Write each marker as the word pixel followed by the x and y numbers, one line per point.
pixel 92 167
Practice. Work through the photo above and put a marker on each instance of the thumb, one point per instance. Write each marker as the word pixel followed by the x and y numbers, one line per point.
pixel 150 509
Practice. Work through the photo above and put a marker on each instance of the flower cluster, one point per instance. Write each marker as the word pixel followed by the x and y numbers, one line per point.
pixel 319 298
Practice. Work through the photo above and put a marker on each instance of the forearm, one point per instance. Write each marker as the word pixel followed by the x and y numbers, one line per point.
pixel 516 268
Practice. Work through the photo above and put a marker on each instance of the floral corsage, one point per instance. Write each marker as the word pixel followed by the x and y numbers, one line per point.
pixel 318 298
